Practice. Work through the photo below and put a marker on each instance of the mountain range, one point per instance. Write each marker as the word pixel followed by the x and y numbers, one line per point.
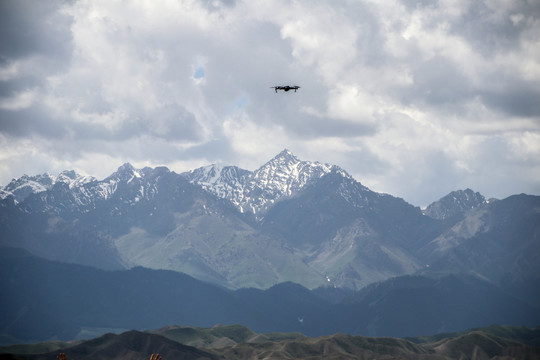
pixel 293 246
pixel 289 220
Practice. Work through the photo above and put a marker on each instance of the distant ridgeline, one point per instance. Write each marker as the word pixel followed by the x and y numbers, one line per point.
pixel 237 242
pixel 237 342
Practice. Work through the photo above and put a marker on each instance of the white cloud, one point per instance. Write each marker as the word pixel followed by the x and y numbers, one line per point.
pixel 412 98
pixel 352 103
pixel 251 139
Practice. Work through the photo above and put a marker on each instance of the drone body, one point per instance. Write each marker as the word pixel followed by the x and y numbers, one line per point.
pixel 286 88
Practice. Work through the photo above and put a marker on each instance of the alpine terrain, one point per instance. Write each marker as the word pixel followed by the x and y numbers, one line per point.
pixel 289 220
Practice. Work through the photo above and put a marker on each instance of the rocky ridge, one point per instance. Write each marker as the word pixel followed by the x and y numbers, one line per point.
pixel 255 192
pixel 289 220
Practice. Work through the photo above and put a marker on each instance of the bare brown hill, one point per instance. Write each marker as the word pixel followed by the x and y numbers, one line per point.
pixel 131 345
pixel 242 343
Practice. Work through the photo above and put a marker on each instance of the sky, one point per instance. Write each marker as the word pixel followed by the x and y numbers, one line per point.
pixel 412 98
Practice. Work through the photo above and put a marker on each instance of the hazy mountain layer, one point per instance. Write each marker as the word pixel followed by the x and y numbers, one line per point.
pixel 43 299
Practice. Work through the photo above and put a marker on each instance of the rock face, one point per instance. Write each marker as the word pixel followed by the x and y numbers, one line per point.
pixel 455 203
pixel 255 192
pixel 289 220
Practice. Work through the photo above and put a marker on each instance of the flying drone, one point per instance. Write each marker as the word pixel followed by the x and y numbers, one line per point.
pixel 285 88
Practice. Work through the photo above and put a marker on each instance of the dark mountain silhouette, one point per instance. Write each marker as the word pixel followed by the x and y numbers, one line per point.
pixel 421 305
pixel 43 299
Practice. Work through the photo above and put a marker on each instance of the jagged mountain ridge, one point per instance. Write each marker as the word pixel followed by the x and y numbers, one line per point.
pixel 85 191
pixel 455 203
pixel 314 224
pixel 26 185
pixel 255 192
pixel 251 192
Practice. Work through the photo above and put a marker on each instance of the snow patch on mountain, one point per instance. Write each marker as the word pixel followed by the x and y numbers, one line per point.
pixel 26 185
pixel 254 192
pixel 227 182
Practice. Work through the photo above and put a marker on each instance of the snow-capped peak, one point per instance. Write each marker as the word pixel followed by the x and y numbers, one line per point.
pixel 252 192
pixel 26 185
pixel 285 156
pixel 286 174
pixel 227 182
pixel 206 175
pixel 255 191
pixel 126 172
pixel 73 179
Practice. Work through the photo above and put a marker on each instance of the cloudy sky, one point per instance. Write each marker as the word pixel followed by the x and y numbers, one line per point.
pixel 415 98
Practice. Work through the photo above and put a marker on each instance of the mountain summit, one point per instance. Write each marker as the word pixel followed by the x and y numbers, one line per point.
pixel 457 202
pixel 254 192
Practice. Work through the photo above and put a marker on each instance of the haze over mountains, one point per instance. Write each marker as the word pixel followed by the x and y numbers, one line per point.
pixel 43 299
pixel 377 265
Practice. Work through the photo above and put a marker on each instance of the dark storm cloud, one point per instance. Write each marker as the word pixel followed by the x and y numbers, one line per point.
pixel 34 28
pixel 494 29
pixel 35 41
pixel 37 33
pixel 170 123
pixel 515 99
pixel 34 121
pixel 16 85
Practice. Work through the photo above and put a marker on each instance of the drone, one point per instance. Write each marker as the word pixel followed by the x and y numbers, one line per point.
pixel 285 88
